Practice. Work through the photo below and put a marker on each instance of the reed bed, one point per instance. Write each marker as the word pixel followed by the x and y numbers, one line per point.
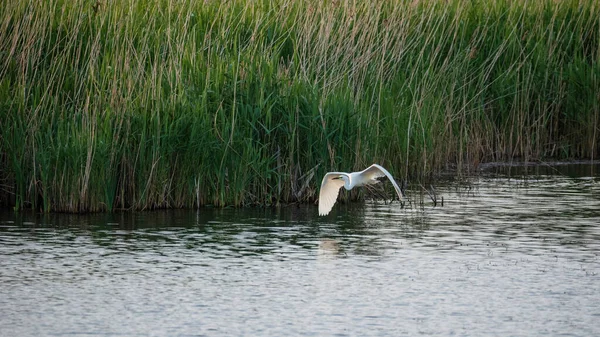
pixel 163 104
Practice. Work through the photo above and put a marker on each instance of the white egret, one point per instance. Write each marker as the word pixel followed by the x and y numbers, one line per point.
pixel 333 181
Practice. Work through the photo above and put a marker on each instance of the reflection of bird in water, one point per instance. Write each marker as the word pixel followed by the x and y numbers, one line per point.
pixel 328 247
pixel 333 181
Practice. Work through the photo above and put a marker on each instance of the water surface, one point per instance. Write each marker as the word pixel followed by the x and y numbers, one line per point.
pixel 505 255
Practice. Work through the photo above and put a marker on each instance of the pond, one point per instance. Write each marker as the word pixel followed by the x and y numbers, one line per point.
pixel 513 251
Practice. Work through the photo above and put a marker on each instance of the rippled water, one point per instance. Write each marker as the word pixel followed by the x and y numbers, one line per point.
pixel 503 256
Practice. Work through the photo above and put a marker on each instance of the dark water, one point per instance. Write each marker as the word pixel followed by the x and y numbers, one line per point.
pixel 504 256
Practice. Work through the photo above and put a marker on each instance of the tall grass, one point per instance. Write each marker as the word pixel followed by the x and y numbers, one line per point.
pixel 145 104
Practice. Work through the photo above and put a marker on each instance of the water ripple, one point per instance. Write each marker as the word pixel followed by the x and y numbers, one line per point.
pixel 503 256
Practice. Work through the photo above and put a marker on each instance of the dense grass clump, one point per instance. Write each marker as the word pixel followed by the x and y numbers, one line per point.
pixel 146 104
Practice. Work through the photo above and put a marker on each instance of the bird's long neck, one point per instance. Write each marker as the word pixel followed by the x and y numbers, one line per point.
pixel 348 182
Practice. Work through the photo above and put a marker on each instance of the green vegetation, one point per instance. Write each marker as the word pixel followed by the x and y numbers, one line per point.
pixel 144 104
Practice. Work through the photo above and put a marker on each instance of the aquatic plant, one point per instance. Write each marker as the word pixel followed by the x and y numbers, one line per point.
pixel 146 104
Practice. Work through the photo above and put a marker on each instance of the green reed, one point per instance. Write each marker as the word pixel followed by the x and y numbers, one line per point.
pixel 147 104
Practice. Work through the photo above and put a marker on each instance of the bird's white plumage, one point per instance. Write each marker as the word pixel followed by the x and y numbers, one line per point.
pixel 333 181
pixel 330 188
pixel 377 171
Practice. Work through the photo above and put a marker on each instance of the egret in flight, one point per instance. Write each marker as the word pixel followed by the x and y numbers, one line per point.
pixel 333 181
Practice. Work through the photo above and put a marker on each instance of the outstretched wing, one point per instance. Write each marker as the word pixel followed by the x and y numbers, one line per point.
pixel 330 188
pixel 375 171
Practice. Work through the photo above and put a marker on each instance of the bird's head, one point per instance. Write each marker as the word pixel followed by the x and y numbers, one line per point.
pixel 343 178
